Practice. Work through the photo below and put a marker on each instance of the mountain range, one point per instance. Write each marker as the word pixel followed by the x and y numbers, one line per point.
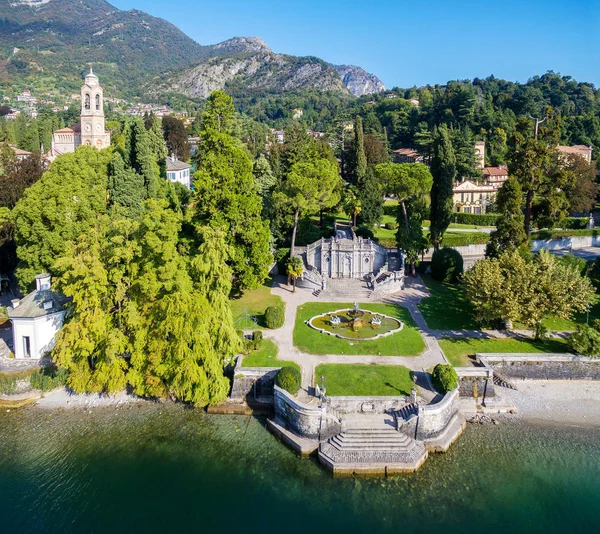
pixel 53 42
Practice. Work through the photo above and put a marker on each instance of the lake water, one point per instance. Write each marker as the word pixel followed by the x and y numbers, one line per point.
pixel 170 469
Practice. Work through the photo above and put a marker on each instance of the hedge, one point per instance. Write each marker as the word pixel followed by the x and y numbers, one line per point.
pixel 557 234
pixel 574 223
pixel 274 317
pixel 462 240
pixel 289 378
pixel 444 378
pixel 476 219
pixel 390 209
pixel 446 265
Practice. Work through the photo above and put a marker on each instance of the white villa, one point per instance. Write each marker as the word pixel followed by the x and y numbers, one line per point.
pixel 36 319
pixel 178 171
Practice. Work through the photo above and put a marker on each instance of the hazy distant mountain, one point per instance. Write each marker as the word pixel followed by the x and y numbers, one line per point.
pixel 58 39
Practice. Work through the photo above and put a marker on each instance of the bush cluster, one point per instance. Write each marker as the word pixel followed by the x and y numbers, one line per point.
pixel 444 378
pixel 476 219
pixel 365 231
pixel 462 240
pixel 574 223
pixel 391 226
pixel 274 317
pixel 289 378
pixel 446 265
pixel 49 378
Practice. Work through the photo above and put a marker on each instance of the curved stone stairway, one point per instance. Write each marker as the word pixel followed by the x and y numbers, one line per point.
pixel 371 446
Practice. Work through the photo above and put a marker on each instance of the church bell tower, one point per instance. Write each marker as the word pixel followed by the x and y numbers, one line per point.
pixel 93 131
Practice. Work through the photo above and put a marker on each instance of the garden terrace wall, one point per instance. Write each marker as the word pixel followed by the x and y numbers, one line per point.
pixel 543 366
pixel 566 243
pixel 380 405
pixel 253 383
pixel 312 422
pixel 434 419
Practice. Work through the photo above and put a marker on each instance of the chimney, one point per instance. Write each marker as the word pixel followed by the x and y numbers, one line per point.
pixel 15 303
pixel 43 282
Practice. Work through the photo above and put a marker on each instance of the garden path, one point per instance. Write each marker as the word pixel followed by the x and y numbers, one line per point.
pixel 409 298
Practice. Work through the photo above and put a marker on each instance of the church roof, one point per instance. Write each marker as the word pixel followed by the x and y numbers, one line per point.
pixel 173 164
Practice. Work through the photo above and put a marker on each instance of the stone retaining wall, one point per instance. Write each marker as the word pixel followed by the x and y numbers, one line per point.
pixel 543 366
pixel 253 383
pixel 381 405
pixel 313 422
pixel 435 418
pixel 469 376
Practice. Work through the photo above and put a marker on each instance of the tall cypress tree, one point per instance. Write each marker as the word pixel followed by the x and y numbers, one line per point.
pixel 360 158
pixel 443 170
pixel 138 155
pixel 510 228
pixel 126 188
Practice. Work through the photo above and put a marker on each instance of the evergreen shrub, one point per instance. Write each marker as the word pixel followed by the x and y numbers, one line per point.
pixel 289 378
pixel 274 317
pixel 365 231
pixel 444 378
pixel 391 226
pixel 446 265
pixel 585 341
pixel 257 339
pixel 476 219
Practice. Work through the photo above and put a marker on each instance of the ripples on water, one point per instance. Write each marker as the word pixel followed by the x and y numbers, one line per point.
pixel 170 469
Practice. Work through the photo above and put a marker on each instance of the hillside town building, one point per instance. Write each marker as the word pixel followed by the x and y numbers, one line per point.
pixel 178 171
pixel 577 150
pixel 91 130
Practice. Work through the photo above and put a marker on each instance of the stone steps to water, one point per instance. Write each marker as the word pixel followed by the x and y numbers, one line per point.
pixel 502 381
pixel 372 448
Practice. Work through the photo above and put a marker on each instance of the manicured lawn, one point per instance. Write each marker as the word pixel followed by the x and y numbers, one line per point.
pixel 554 323
pixel 255 302
pixel 408 342
pixel 365 380
pixel 458 350
pixel 447 308
pixel 266 356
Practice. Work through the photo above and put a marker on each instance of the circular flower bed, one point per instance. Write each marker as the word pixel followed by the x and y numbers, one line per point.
pixel 361 325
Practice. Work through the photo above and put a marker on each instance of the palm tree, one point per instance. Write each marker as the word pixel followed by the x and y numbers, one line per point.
pixel 352 204
pixel 295 268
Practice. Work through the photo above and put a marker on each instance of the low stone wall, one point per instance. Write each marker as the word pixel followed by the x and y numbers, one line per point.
pixel 253 383
pixel 343 405
pixel 565 243
pixel 543 366
pixel 475 380
pixel 435 418
pixel 313 422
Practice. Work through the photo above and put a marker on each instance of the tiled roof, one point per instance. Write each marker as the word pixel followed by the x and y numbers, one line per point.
pixel 411 152
pixel 19 152
pixel 496 171
pixel 576 149
pixel 32 305
pixel 173 164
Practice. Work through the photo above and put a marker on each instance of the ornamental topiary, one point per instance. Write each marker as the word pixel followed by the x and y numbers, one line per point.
pixel 446 265
pixel 444 378
pixel 289 378
pixel 274 317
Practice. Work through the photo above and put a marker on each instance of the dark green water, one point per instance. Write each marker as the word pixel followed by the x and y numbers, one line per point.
pixel 168 469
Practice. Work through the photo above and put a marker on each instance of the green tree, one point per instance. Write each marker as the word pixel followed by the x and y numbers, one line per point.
pixel 226 195
pixel 295 268
pixel 359 156
pixel 263 176
pixel 510 231
pixel 58 208
pixel 513 289
pixel 352 204
pixel 311 185
pixel 138 155
pixel 411 183
pixel 176 137
pixel 126 188
pixel 586 341
pixel 443 170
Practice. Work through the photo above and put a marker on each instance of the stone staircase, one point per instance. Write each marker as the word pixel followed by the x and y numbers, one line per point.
pixel 346 289
pixel 372 449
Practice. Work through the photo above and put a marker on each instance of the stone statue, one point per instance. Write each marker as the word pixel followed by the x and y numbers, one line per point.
pixel 356 307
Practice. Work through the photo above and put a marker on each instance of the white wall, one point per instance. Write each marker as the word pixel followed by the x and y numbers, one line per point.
pixel 42 334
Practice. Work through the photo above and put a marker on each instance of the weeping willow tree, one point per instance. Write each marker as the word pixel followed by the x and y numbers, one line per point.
pixel 144 314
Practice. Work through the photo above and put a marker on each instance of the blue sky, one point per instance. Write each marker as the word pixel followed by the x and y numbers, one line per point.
pixel 408 43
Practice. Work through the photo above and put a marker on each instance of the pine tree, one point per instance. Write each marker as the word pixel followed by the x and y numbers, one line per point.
pixel 510 231
pixel 126 188
pixel 443 170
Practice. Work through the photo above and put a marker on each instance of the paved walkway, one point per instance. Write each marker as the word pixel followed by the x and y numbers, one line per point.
pixel 409 298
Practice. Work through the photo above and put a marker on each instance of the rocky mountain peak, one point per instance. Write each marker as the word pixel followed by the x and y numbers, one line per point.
pixel 358 81
pixel 240 45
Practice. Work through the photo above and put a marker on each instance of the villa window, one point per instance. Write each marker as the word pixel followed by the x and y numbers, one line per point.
pixel 87 101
